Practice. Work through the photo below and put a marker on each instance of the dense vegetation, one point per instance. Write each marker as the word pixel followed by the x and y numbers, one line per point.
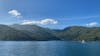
pixel 77 33
pixel 36 33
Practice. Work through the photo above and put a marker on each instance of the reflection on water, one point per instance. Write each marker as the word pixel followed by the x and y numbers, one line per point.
pixel 49 48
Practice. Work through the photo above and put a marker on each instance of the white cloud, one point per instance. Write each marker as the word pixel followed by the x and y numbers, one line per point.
pixel 15 13
pixel 40 22
pixel 48 21
pixel 92 24
pixel 29 22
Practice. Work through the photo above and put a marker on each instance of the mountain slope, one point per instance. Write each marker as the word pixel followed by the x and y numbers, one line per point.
pixel 35 32
pixel 8 33
pixel 77 33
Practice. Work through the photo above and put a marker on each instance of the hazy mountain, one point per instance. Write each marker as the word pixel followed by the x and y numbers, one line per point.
pixel 78 33
pixel 35 33
pixel 8 33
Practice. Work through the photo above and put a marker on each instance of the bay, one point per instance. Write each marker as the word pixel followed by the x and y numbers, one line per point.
pixel 49 48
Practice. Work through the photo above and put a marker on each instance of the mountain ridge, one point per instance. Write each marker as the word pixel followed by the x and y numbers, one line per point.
pixel 36 33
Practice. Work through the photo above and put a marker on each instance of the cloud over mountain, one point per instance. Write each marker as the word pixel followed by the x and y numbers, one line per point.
pixel 40 22
pixel 91 24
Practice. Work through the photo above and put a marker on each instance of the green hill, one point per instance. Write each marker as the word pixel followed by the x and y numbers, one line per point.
pixel 7 33
pixel 77 33
pixel 35 33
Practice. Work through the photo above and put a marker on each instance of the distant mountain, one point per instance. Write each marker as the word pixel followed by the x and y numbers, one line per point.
pixel 77 33
pixel 7 33
pixel 35 33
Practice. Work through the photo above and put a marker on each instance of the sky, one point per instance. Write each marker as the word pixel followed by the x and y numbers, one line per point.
pixel 55 14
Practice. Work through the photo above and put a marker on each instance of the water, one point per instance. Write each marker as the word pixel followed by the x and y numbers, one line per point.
pixel 49 48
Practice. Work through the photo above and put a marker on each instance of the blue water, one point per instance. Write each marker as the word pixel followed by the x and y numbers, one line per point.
pixel 49 48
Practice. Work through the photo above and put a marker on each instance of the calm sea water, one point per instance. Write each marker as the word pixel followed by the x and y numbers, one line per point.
pixel 49 48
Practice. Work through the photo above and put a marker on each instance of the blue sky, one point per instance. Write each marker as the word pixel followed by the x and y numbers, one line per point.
pixel 51 13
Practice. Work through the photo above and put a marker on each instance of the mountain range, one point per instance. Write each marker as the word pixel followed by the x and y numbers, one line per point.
pixel 18 32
